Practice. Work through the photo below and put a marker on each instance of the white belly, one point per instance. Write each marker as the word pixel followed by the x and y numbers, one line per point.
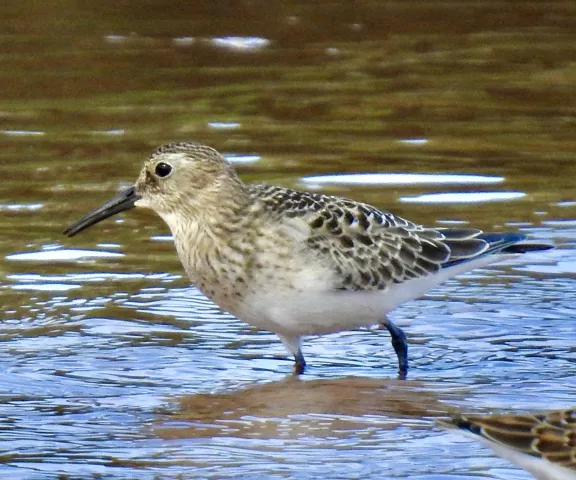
pixel 311 313
pixel 317 311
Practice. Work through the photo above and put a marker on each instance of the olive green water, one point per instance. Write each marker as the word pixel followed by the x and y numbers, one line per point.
pixel 112 366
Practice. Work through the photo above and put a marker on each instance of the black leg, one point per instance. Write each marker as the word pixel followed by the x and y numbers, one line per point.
pixel 299 364
pixel 294 347
pixel 400 347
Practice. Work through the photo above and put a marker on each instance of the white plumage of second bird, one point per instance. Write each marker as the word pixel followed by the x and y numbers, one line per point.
pixel 544 444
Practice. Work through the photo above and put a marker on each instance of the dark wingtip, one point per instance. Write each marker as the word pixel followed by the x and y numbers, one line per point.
pixel 491 243
pixel 460 422
pixel 512 242
pixel 502 238
pixel 527 247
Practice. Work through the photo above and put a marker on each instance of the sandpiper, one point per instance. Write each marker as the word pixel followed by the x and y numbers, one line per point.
pixel 297 263
pixel 542 444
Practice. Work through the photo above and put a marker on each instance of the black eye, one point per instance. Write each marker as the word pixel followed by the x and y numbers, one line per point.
pixel 163 169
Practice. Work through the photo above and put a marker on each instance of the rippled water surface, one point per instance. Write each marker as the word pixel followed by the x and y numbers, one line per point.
pixel 447 113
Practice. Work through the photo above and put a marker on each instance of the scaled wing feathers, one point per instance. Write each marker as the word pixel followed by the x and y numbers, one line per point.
pixel 370 249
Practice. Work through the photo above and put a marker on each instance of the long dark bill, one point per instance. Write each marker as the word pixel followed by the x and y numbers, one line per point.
pixel 123 201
